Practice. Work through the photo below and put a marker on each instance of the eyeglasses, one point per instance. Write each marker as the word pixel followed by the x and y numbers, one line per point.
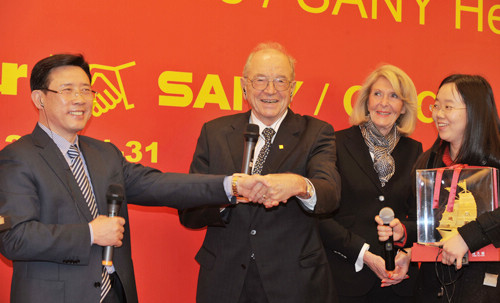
pixel 261 83
pixel 68 93
pixel 447 108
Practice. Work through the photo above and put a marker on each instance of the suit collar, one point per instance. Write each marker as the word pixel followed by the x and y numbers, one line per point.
pixel 96 167
pixel 284 143
pixel 356 146
pixel 50 153
pixel 236 140
pixel 55 160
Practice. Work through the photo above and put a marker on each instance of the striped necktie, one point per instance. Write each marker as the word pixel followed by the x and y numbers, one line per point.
pixel 268 134
pixel 84 184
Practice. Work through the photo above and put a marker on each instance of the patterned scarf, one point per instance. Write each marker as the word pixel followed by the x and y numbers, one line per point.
pixel 381 147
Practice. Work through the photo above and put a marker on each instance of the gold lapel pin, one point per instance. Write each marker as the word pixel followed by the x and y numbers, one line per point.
pixel 281 146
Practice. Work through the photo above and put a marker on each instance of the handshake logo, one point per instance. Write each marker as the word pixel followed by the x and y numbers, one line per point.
pixel 106 80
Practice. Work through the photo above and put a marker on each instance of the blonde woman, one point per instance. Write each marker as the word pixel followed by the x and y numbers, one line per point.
pixel 375 158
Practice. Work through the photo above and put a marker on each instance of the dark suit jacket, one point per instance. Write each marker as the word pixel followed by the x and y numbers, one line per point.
pixel 288 251
pixel 49 242
pixel 362 199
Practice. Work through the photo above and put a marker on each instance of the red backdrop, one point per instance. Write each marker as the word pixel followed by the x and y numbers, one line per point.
pixel 163 68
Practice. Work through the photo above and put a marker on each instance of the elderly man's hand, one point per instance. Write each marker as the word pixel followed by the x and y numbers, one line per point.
pixel 250 187
pixel 272 189
pixel 280 187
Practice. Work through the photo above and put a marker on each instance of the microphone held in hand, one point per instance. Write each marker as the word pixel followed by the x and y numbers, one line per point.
pixel 387 215
pixel 251 136
pixel 115 197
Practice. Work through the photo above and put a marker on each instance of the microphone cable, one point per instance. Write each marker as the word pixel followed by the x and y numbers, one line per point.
pixel 441 278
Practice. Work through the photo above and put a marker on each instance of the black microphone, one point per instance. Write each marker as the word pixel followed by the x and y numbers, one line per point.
pixel 387 215
pixel 251 136
pixel 115 197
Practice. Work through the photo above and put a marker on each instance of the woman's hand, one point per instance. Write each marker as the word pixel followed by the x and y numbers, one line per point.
pixel 395 229
pixel 376 264
pixel 454 249
pixel 402 262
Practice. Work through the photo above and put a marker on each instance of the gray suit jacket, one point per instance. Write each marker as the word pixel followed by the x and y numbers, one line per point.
pixel 49 242
pixel 285 240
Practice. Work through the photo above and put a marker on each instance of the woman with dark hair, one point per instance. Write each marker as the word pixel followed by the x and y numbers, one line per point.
pixel 467 120
pixel 375 158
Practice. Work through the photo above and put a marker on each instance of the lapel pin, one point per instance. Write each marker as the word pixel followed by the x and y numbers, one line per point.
pixel 281 146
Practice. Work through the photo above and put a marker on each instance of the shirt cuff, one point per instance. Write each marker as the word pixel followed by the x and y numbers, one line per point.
pixel 91 235
pixel 311 202
pixel 359 262
pixel 227 187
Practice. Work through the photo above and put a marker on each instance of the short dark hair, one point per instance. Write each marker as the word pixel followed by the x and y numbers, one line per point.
pixel 481 141
pixel 41 70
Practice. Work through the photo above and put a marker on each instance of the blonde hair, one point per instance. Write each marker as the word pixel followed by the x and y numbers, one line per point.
pixel 403 87
pixel 267 46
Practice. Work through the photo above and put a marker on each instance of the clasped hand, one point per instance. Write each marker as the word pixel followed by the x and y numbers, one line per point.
pixel 402 260
pixel 377 265
pixel 270 190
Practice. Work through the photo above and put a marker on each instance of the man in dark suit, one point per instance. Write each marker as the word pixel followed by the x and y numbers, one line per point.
pixel 54 197
pixel 253 254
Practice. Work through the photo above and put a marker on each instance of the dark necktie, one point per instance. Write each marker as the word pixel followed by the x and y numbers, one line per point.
pixel 84 184
pixel 268 136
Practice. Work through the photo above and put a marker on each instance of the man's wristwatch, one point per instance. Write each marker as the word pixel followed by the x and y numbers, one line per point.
pixel 234 186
